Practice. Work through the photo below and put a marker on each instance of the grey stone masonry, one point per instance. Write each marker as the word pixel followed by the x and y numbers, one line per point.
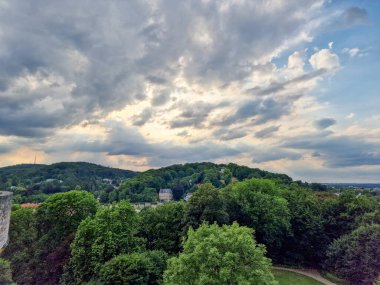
pixel 5 214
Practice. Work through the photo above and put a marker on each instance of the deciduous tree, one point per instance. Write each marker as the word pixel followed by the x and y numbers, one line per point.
pixel 207 204
pixel 215 255
pixel 256 203
pixel 5 272
pixel 356 256
pixel 135 269
pixel 111 232
pixel 162 227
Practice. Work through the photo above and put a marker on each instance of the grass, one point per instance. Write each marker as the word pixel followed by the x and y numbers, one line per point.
pixel 290 278
pixel 332 278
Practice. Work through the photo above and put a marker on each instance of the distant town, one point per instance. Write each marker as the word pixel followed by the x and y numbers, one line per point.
pixel 355 186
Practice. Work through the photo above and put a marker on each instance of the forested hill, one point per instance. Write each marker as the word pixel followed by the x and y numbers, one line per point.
pixel 184 178
pixel 32 182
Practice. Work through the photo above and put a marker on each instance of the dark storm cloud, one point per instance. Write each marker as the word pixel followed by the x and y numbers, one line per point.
pixel 160 99
pixel 339 151
pixel 98 56
pixel 315 154
pixel 156 80
pixel 355 15
pixel 267 132
pixel 183 134
pixel 349 17
pixel 359 175
pixel 280 86
pixel 258 111
pixel 142 118
pixel 265 155
pixel 75 49
pixel 193 114
pixel 229 134
pixel 182 123
pixel 324 123
pixel 253 27
pixel 123 140
pixel 30 123
pixel 4 148
pixel 270 107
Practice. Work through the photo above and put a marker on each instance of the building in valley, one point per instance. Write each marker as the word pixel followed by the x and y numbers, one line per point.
pixel 165 195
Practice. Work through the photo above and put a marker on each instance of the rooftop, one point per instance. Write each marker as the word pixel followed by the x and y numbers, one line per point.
pixel 27 205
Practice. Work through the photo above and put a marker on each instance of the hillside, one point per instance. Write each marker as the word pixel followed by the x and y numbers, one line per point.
pixel 34 182
pixel 31 183
pixel 184 178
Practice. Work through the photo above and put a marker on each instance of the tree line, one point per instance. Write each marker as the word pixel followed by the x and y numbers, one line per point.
pixel 226 235
pixel 184 178
pixel 33 183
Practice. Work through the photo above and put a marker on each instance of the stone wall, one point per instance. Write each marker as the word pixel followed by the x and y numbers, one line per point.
pixel 5 213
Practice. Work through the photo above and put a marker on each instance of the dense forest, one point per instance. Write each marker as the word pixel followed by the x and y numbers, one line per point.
pixel 35 182
pixel 184 178
pixel 238 222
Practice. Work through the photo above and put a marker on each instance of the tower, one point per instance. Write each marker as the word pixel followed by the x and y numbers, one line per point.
pixel 5 214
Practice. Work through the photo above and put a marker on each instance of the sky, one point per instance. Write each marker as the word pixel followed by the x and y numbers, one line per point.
pixel 289 86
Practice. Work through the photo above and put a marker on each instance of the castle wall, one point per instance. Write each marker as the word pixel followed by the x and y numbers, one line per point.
pixel 5 214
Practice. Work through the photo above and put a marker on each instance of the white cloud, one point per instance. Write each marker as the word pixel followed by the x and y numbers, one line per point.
pixel 296 63
pixel 118 54
pixel 352 52
pixel 182 76
pixel 324 59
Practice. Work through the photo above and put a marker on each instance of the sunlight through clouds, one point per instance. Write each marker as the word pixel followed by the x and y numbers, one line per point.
pixel 140 84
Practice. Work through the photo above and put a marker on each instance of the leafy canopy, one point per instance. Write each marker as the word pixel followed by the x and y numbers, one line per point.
pixel 40 238
pixel 207 204
pixel 111 232
pixel 162 227
pixel 135 269
pixel 5 272
pixel 256 203
pixel 356 256
pixel 214 255
pixel 61 214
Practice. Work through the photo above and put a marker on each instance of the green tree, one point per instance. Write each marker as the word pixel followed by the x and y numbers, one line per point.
pixel 178 191
pixel 20 250
pixel 307 242
pixel 40 237
pixel 369 218
pixel 342 213
pixel 215 255
pixel 134 269
pixel 212 176
pixel 162 227
pixel 355 257
pixel 226 176
pixel 56 222
pixel 5 272
pixel 256 203
pixel 207 204
pixel 60 215
pixel 111 232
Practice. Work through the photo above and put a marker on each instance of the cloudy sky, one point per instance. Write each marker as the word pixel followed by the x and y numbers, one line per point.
pixel 289 86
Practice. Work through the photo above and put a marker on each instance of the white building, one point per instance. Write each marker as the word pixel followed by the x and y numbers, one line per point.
pixel 165 195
